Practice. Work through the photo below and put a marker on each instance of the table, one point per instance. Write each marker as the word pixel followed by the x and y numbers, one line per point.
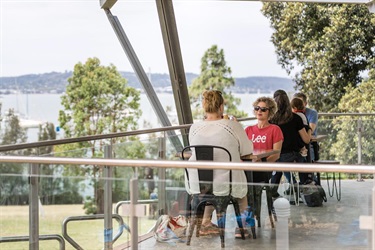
pixel 259 154
pixel 318 138
pixel 256 155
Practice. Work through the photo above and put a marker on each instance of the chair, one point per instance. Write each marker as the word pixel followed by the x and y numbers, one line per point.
pixel 291 187
pixel 261 177
pixel 199 201
pixel 332 191
pixel 296 196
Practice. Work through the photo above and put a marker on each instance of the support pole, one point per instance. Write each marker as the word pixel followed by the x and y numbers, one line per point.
pixel 360 129
pixel 34 207
pixel 133 214
pixel 161 183
pixel 108 175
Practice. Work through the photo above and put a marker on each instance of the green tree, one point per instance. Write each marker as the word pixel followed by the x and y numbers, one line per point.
pixel 13 183
pixel 215 74
pixel 359 100
pixel 327 45
pixel 54 189
pixel 98 101
pixel 13 132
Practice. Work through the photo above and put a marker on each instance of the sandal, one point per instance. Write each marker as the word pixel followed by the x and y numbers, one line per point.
pixel 237 233
pixel 209 230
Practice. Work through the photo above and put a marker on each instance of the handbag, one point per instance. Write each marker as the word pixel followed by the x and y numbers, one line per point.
pixel 170 229
pixel 313 195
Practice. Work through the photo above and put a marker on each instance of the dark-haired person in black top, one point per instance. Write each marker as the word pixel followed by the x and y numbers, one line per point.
pixel 293 130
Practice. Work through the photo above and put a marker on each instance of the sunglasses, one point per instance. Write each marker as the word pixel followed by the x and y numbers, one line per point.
pixel 263 109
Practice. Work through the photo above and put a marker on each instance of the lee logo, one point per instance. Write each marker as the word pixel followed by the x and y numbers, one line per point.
pixel 259 139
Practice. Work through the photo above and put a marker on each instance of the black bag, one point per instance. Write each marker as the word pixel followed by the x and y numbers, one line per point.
pixel 316 150
pixel 313 195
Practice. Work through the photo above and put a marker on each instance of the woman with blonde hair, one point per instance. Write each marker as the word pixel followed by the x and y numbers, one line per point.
pixel 216 131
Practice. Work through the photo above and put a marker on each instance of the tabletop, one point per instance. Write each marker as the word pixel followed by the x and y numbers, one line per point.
pixel 318 137
pixel 259 154
pixel 256 155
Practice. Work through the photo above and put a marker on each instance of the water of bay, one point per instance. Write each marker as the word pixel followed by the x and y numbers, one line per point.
pixel 45 108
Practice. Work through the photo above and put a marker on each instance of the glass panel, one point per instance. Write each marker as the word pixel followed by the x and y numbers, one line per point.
pixel 64 192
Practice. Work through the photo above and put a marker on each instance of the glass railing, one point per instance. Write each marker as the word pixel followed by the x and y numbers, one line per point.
pixel 69 190
pixel 349 140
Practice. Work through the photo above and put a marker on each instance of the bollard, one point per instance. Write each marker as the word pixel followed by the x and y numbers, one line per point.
pixel 282 209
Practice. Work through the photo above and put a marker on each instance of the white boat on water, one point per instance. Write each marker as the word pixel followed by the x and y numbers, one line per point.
pixel 28 123
pixel 24 121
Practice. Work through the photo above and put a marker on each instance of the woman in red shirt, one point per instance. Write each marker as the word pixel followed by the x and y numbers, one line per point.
pixel 264 135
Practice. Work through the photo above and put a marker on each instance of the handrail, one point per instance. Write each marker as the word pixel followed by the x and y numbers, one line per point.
pixel 93 217
pixel 346 114
pixel 19 146
pixel 120 203
pixel 88 138
pixel 254 166
pixel 57 237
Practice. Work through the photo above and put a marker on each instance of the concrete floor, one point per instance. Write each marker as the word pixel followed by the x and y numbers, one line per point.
pixel 335 225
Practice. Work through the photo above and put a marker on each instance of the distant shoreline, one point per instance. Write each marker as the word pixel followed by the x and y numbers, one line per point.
pixel 56 83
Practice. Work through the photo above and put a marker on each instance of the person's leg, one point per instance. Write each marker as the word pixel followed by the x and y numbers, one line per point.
pixel 275 180
pixel 246 217
pixel 207 215
pixel 208 228
pixel 243 204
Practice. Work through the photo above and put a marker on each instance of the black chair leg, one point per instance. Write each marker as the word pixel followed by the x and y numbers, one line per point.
pixel 221 217
pixel 258 203
pixel 269 205
pixel 239 219
pixel 221 210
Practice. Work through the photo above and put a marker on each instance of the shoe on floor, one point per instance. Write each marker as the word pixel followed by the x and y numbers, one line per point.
pixel 209 230
pixel 238 233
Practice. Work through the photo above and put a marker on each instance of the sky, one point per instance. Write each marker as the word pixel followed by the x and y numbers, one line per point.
pixel 53 35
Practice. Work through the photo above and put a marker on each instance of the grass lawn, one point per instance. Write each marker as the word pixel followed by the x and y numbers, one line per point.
pixel 14 221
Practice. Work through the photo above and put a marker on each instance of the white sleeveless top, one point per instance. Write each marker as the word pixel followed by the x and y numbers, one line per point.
pixel 230 135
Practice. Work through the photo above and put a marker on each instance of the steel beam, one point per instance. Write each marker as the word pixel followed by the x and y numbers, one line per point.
pixel 174 59
pixel 142 77
pixel 107 4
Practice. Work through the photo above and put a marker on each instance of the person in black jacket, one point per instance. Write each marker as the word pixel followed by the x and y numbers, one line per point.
pixel 293 130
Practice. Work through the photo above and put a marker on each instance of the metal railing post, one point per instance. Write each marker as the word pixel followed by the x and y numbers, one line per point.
pixel 133 214
pixel 373 216
pixel 108 227
pixel 360 129
pixel 161 184
pixel 34 207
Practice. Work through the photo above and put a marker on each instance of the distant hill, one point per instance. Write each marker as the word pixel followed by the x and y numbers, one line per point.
pixel 56 82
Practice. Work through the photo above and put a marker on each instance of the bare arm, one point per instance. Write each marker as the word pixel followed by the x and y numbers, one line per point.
pixel 312 126
pixel 275 157
pixel 306 137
